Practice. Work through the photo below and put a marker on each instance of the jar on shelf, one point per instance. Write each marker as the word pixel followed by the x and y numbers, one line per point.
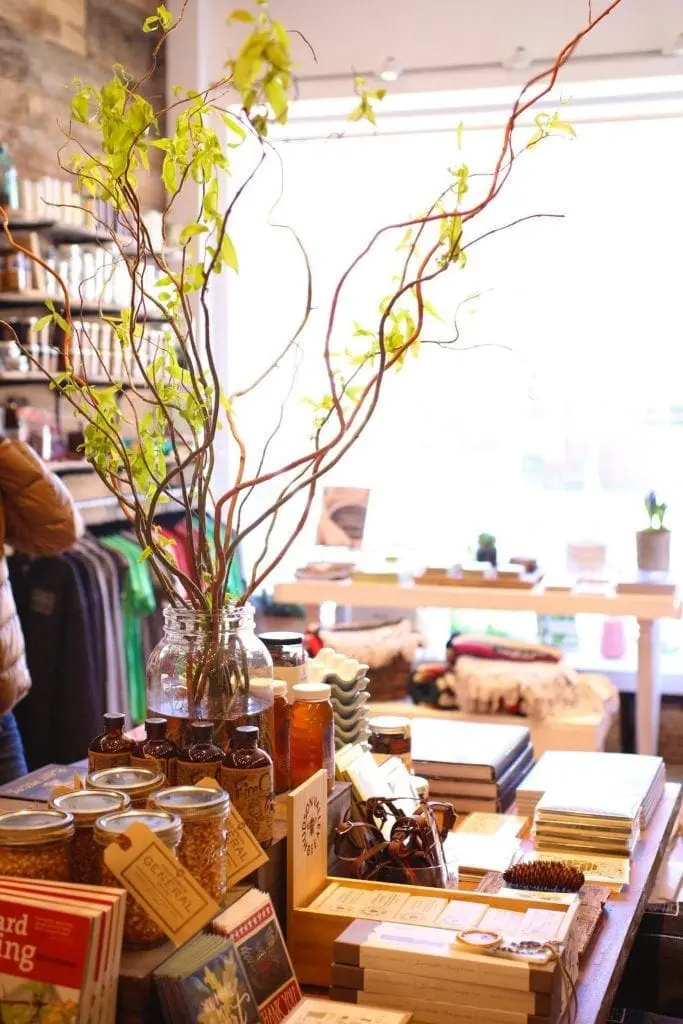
pixel 289 656
pixel 86 806
pixel 390 736
pixel 203 848
pixel 35 844
pixel 201 670
pixel 247 776
pixel 311 733
pixel 139 784
pixel 139 930
pixel 282 741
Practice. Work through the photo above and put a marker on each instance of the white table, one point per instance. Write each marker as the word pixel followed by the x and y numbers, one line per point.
pixel 646 608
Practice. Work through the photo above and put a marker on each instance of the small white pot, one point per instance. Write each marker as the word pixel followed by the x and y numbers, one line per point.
pixel 653 550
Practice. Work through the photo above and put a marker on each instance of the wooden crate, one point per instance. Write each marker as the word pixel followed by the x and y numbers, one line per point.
pixel 311 934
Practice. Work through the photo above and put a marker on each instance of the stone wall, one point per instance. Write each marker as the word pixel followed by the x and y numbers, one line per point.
pixel 44 45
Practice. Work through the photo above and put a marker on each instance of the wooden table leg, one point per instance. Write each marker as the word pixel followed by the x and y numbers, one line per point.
pixel 647 688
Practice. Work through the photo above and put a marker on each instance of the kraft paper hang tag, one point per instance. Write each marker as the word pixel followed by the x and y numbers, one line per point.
pixel 208 783
pixel 75 787
pixel 245 853
pixel 156 880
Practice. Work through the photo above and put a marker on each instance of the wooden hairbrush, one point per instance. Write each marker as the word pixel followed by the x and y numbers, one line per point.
pixel 544 876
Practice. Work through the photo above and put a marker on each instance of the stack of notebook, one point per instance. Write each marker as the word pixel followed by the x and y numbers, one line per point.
pixel 607 822
pixel 473 766
pixel 634 777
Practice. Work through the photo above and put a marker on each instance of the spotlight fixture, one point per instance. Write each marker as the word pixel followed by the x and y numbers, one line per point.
pixel 520 60
pixel 391 71
pixel 676 48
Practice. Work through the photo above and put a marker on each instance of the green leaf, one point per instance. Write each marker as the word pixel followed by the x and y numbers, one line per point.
pixel 145 554
pixel 458 134
pixel 165 17
pixel 80 106
pixel 43 322
pixel 240 15
pixel 429 308
pixel 277 97
pixel 190 232
pixel 229 253
pixel 150 24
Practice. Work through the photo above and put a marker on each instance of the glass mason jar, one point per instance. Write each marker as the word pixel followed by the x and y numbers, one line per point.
pixel 201 670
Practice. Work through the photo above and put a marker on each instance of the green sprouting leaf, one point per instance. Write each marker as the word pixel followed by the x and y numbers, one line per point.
pixel 405 240
pixel 43 322
pixel 458 134
pixel 361 332
pixel 145 554
pixel 190 232
pixel 229 253
pixel 150 24
pixel 240 15
pixel 165 17
pixel 50 305
pixel 168 173
pixel 429 308
pixel 277 97
pixel 80 106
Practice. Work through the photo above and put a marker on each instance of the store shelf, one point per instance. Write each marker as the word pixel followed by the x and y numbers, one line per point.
pixel 19 377
pixel 79 308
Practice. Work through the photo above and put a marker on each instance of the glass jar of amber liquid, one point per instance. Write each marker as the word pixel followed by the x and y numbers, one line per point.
pixel 312 733
pixel 157 751
pixel 111 749
pixel 247 776
pixel 201 758
pixel 282 727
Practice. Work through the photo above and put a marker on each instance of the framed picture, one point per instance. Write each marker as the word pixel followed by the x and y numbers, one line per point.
pixel 342 520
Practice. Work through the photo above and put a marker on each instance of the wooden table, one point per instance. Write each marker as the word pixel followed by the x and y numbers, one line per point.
pixel 607 955
pixel 648 609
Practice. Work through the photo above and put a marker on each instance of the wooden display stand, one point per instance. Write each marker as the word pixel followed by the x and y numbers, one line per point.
pixel 311 934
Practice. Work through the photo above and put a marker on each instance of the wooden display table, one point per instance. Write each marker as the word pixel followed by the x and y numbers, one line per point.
pixel 648 609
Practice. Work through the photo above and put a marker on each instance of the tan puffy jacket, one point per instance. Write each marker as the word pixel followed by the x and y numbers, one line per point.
pixel 37 517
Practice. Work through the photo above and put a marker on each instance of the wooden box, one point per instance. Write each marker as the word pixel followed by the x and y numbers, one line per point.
pixel 311 934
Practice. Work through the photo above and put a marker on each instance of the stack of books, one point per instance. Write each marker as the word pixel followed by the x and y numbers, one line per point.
pixel 475 767
pixel 425 971
pixel 60 951
pixel 635 776
pixel 608 823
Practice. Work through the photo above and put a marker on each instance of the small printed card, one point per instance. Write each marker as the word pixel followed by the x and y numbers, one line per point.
pixel 156 880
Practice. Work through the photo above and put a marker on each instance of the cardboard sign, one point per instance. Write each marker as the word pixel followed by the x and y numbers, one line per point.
pixel 156 880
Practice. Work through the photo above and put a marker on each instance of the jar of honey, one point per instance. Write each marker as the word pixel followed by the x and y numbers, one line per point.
pixel 311 733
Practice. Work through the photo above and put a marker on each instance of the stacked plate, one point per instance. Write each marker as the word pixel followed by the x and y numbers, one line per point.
pixel 349 681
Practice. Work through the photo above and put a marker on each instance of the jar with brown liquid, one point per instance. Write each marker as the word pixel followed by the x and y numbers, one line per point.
pixel 312 733
pixel 247 776
pixel 201 758
pixel 111 749
pixel 281 754
pixel 157 751
pixel 289 657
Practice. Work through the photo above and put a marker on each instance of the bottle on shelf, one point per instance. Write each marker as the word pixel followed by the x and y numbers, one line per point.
pixel 312 733
pixel 111 749
pixel 9 182
pixel 201 758
pixel 157 751
pixel 247 776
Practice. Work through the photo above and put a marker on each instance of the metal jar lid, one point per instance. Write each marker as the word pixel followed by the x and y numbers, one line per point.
pixel 87 805
pixel 390 725
pixel 192 803
pixel 136 782
pixel 168 827
pixel 33 828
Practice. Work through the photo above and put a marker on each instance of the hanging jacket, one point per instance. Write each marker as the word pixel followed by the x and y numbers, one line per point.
pixel 37 517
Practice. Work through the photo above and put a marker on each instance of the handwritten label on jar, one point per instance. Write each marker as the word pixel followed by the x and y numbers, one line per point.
pixel 189 773
pixel 156 880
pixel 98 761
pixel 251 793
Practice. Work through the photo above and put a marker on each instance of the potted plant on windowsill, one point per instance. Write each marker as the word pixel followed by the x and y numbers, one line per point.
pixel 653 543
pixel 175 397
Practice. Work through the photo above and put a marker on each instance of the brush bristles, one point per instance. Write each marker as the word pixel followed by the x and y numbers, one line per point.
pixel 544 876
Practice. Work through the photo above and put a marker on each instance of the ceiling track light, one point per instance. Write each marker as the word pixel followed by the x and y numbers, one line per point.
pixel 519 60
pixel 391 71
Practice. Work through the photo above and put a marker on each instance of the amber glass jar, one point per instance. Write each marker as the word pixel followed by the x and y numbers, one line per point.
pixel 35 844
pixel 390 736
pixel 201 758
pixel 111 749
pixel 87 806
pixel 282 723
pixel 139 930
pixel 157 751
pixel 289 657
pixel 137 783
pixel 262 715
pixel 203 849
pixel 247 776
pixel 312 733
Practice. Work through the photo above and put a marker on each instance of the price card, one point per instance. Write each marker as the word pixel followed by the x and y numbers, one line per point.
pixel 156 880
